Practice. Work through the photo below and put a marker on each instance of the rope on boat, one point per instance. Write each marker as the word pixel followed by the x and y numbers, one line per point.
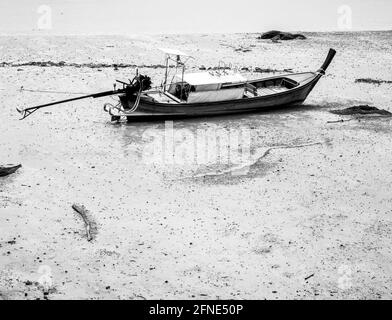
pixel 137 102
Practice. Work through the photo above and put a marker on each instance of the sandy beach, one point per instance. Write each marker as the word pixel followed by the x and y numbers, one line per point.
pixel 311 222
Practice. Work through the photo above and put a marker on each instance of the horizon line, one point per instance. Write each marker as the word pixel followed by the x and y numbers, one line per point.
pixel 46 33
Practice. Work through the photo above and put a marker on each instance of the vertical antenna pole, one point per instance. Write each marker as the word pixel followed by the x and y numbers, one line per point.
pixel 166 73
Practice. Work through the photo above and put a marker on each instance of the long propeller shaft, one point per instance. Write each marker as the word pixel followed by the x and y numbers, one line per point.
pixel 28 111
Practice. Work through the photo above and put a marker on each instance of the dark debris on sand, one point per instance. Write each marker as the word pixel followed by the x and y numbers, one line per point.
pixel 80 65
pixel 362 110
pixel 372 81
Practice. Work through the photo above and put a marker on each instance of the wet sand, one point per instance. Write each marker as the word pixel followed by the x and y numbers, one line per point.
pixel 300 223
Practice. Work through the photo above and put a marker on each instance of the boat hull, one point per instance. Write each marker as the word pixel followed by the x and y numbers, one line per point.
pixel 154 110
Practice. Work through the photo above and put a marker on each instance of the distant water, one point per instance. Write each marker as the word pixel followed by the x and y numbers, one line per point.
pixel 83 17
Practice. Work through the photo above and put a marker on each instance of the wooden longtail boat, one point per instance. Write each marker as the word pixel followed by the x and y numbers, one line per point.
pixel 201 94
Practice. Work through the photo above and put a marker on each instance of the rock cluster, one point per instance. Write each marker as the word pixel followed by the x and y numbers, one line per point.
pixel 279 35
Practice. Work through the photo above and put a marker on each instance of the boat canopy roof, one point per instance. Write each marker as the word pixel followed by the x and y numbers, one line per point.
pixel 174 52
pixel 204 78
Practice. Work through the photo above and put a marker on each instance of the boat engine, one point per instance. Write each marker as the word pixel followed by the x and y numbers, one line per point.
pixel 139 84
pixel 131 98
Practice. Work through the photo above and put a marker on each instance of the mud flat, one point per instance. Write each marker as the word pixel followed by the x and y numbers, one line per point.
pixel 311 222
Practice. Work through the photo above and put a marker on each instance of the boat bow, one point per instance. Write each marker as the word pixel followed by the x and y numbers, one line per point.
pixel 327 62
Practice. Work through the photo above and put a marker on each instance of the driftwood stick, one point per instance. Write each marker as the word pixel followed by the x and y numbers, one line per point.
pixel 9 169
pixel 308 277
pixel 340 121
pixel 83 213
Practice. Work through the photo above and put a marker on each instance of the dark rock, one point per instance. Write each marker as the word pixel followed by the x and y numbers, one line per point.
pixel 270 34
pixel 299 36
pixel 287 36
pixel 275 36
